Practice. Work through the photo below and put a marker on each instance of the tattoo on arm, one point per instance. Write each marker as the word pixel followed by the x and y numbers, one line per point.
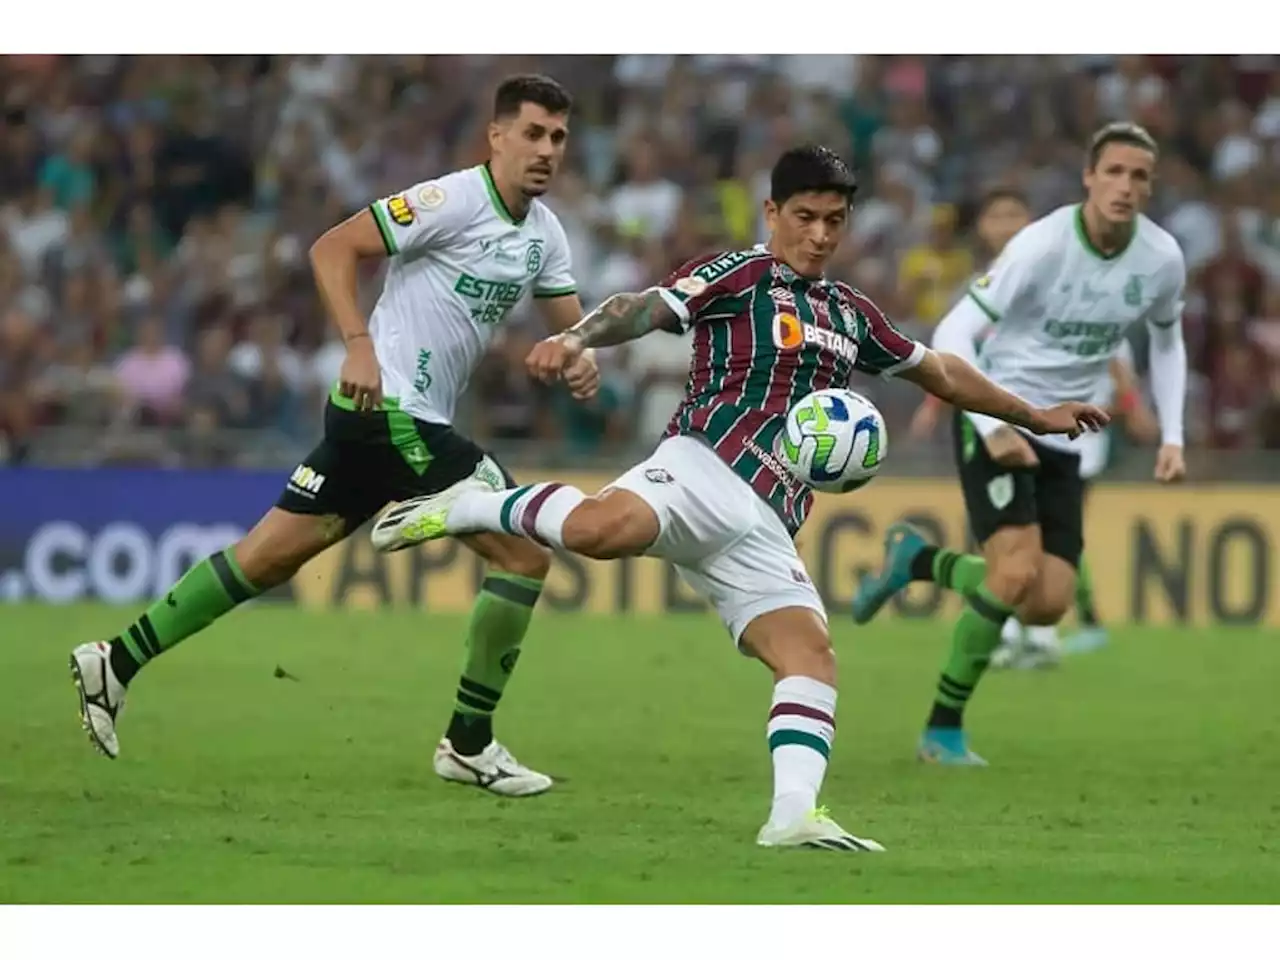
pixel 623 317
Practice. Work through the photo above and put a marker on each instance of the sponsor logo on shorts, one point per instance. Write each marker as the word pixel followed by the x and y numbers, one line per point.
pixel 488 473
pixel 400 210
pixel 802 578
pixel 983 281
pixel 306 482
pixel 659 475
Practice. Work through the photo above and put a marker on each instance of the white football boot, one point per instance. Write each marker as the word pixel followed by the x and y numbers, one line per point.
pixel 493 769
pixel 420 519
pixel 101 695
pixel 815 829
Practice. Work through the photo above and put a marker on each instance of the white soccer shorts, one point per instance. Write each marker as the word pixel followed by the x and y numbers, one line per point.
pixel 725 541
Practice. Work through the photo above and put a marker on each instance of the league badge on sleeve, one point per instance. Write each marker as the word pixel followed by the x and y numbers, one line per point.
pixel 691 286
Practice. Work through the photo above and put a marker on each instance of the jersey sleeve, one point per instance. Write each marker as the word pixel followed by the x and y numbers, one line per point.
pixel 1166 307
pixel 555 279
pixel 1010 283
pixel 423 217
pixel 712 288
pixel 883 350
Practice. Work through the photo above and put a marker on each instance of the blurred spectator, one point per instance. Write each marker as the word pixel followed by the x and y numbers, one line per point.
pixel 153 375
pixel 646 203
pixel 213 389
pixel 514 408
pixel 68 174
pixel 931 272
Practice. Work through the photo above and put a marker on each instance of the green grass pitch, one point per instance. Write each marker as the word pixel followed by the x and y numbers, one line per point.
pixel 1146 772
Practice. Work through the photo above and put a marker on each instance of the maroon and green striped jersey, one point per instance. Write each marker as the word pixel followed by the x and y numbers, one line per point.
pixel 763 338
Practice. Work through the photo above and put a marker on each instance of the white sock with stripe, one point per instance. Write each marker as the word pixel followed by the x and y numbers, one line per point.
pixel 802 726
pixel 537 512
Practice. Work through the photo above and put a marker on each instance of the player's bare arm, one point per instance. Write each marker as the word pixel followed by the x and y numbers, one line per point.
pixel 335 259
pixel 621 318
pixel 581 376
pixel 954 380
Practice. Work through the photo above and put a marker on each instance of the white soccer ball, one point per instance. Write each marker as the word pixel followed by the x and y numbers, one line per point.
pixel 834 441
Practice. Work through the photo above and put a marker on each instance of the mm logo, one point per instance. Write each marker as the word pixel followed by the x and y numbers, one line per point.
pixel 400 210
pixel 306 480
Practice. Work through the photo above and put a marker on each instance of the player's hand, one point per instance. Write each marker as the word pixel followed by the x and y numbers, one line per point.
pixel 360 379
pixel 582 376
pixel 1009 448
pixel 1070 418
pixel 1170 466
pixel 924 421
pixel 549 358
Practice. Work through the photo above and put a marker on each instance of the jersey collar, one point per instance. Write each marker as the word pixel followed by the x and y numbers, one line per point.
pixel 1083 233
pixel 495 198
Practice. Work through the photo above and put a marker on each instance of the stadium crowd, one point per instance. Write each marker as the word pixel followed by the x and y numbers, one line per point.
pixel 155 213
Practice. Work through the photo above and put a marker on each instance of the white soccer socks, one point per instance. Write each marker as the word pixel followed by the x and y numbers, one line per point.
pixel 801 728
pixel 537 512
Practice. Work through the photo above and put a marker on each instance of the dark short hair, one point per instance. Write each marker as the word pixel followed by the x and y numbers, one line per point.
pixel 996 194
pixel 811 169
pixel 1130 134
pixel 530 88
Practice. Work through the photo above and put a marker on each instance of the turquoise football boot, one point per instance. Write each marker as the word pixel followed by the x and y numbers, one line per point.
pixel 948 747
pixel 902 543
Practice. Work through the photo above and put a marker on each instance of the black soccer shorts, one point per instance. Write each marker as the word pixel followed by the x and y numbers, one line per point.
pixel 368 459
pixel 1050 495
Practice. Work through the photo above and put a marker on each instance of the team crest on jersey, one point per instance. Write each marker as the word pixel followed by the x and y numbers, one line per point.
pixel 533 257
pixel 400 210
pixel 1133 291
pixel 431 197
pixel 691 286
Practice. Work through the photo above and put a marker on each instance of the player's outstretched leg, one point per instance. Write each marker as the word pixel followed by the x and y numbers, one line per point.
pixel 908 557
pixel 793 642
pixel 1091 634
pixel 613 524
pixel 468 753
pixel 269 555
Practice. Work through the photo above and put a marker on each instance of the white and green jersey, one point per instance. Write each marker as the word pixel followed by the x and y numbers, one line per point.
pixel 1052 311
pixel 459 262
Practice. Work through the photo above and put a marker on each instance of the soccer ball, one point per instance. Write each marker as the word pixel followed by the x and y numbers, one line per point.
pixel 833 441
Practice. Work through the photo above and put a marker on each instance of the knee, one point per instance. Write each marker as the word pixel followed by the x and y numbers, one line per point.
pixel 609 528
pixel 792 642
pixel 1047 603
pixel 522 558
pixel 1012 577
pixel 809 656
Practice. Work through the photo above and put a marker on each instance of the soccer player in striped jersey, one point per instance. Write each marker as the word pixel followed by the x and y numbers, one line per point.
pixel 768 328
pixel 463 249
